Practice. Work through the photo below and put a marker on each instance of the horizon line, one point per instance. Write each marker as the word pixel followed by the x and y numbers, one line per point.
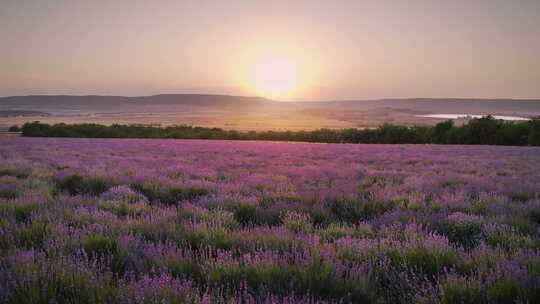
pixel 276 100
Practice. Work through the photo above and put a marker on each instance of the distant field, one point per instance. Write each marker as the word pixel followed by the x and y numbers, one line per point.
pixel 281 121
pixel 225 120
pixel 120 220
pixel 257 121
pixel 248 113
pixel 5 134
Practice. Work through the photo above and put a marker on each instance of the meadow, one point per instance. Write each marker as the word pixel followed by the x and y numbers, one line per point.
pixel 197 221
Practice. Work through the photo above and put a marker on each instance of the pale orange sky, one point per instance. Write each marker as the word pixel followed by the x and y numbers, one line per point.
pixel 343 49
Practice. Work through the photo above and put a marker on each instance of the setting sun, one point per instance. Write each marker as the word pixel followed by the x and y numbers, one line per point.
pixel 277 73
pixel 276 77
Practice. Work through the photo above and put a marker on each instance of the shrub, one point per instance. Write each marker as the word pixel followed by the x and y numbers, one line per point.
pixel 504 290
pixel 246 214
pixel 168 195
pixel 96 185
pixel 14 128
pixel 356 210
pixel 224 275
pixel 520 196
pixel 508 239
pixel 76 184
pixel 123 209
pixel 297 222
pixel 393 283
pixel 158 288
pixel 13 172
pixel 460 291
pixel 9 192
pixel 122 193
pixel 321 217
pixel 33 235
pixel 46 280
pixel 428 261
pixel 22 212
pixel 320 278
pixel 534 215
pixel 98 244
pixel 479 208
pixel 337 231
pixel 522 224
pixel 463 229
pixel 316 278
pixel 185 269
pixel 534 132
pixel 276 278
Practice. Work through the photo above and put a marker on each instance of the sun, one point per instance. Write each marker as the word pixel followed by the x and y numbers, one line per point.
pixel 280 73
pixel 277 77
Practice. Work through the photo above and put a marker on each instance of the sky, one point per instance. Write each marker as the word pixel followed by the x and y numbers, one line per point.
pixel 286 50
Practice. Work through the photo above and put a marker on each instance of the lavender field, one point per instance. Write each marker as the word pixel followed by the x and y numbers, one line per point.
pixel 179 221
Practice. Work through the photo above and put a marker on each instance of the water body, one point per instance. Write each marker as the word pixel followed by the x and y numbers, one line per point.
pixel 457 116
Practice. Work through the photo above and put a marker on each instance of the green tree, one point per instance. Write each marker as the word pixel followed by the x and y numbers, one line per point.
pixel 533 138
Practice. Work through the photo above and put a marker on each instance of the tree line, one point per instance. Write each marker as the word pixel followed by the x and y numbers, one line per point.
pixel 479 131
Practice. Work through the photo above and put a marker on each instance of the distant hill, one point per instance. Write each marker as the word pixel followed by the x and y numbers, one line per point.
pixel 441 105
pixel 183 102
pixel 105 104
pixel 21 113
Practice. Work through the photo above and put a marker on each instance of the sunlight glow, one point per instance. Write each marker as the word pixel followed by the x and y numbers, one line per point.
pixel 280 74
pixel 276 77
